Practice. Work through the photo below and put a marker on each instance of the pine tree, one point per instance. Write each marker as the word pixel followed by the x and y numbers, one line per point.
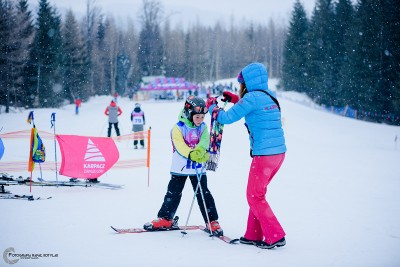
pixel 391 58
pixel 150 47
pixel 123 71
pixel 24 33
pixel 366 60
pixel 294 73
pixel 75 74
pixel 320 64
pixel 8 49
pixel 100 64
pixel 345 33
pixel 46 58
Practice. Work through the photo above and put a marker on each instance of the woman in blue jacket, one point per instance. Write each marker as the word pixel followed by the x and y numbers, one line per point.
pixel 261 110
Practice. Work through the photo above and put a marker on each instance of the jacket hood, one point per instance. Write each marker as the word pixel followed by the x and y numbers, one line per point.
pixel 183 119
pixel 255 76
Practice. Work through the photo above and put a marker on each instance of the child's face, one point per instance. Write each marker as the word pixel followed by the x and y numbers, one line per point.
pixel 198 119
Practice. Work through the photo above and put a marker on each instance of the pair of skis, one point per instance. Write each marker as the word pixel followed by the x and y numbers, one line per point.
pixel 183 229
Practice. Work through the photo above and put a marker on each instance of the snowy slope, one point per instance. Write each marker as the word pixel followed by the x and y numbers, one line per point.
pixel 337 196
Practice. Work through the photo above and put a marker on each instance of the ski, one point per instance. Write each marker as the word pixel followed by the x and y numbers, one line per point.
pixel 41 181
pixel 5 177
pixel 141 230
pixel 22 197
pixel 221 237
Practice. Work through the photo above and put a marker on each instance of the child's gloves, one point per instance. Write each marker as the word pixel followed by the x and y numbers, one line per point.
pixel 211 101
pixel 199 154
pixel 230 97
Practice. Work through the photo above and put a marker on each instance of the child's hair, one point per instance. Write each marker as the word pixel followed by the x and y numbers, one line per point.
pixel 242 90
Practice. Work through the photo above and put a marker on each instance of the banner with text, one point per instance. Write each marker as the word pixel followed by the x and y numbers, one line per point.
pixel 85 156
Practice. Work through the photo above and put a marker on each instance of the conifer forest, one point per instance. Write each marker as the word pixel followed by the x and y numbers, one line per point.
pixel 346 54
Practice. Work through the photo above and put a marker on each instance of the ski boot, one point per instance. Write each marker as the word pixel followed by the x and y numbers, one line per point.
pixel 264 245
pixel 215 228
pixel 161 224
pixel 246 241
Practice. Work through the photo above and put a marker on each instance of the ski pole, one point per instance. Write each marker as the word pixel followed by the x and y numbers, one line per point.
pixel 104 126
pixel 204 202
pixel 53 124
pixel 191 206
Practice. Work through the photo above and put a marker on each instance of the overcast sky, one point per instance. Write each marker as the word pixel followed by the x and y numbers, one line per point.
pixel 207 12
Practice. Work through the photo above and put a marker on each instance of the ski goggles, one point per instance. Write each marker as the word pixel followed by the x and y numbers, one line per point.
pixel 200 110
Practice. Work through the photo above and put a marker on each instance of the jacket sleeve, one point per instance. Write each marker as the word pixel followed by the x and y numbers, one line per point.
pixel 106 111
pixel 119 111
pixel 179 143
pixel 238 111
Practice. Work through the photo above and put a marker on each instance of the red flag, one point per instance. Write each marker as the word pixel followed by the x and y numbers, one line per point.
pixel 85 156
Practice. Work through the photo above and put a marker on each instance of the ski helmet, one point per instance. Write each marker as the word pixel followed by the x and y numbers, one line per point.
pixel 194 105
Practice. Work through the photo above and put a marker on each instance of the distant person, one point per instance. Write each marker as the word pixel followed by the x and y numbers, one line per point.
pixel 190 140
pixel 78 103
pixel 113 111
pixel 138 122
pixel 261 111
pixel 116 97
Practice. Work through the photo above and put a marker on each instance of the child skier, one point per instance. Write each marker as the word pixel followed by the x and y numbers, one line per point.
pixel 190 140
pixel 138 121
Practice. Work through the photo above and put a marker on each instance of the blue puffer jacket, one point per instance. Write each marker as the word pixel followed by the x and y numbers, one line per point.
pixel 262 115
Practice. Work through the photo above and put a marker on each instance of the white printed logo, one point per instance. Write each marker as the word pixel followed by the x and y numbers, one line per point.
pixel 93 153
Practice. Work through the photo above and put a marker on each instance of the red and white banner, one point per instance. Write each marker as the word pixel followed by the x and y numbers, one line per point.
pixel 85 156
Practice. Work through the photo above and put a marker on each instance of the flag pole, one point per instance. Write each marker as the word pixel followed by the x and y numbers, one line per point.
pixel 148 156
pixel 53 123
pixel 30 120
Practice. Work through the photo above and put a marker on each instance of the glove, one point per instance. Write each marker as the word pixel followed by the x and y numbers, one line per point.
pixel 199 154
pixel 230 97
pixel 211 101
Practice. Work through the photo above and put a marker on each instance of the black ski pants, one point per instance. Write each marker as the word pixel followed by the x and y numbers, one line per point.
pixel 174 194
pixel 110 124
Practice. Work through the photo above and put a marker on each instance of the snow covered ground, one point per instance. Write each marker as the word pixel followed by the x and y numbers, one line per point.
pixel 337 195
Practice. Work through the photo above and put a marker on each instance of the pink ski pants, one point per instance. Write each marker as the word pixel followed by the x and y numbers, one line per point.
pixel 262 223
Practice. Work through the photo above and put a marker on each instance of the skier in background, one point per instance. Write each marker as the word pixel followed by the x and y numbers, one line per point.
pixel 261 110
pixel 138 122
pixel 190 140
pixel 113 111
pixel 78 103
